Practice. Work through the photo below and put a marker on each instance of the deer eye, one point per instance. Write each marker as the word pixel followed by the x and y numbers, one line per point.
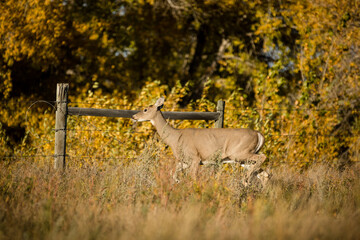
pixel 145 110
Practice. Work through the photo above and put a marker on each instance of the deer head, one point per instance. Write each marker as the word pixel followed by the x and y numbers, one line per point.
pixel 149 113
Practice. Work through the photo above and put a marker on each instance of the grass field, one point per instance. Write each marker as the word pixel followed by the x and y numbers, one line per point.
pixel 138 200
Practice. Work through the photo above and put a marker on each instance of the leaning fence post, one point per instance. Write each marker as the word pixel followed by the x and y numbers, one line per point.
pixel 60 125
pixel 220 108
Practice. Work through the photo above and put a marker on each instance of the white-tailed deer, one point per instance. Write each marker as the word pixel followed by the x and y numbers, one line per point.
pixel 197 145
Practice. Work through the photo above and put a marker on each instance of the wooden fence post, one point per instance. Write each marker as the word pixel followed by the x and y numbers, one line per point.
pixel 220 108
pixel 60 125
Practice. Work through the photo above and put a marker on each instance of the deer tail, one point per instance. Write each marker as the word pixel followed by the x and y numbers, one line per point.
pixel 260 142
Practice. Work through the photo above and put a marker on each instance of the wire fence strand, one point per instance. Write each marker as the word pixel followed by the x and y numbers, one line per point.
pixel 129 106
pixel 95 128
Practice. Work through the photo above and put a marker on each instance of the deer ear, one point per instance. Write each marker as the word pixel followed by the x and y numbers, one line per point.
pixel 160 103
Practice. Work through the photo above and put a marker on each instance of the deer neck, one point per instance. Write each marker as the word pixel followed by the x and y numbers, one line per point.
pixel 166 132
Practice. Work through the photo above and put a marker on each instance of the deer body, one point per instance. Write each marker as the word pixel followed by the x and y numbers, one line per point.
pixel 199 145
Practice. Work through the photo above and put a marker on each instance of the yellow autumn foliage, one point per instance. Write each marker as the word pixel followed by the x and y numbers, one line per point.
pixel 298 137
pixel 289 69
pixel 304 99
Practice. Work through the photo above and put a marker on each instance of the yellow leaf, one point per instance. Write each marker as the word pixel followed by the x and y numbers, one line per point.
pixel 94 36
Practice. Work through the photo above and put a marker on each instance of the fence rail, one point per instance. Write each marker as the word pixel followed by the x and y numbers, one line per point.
pixel 129 113
pixel 63 110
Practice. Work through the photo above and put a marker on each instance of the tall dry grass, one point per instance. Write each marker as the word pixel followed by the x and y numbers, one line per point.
pixel 138 200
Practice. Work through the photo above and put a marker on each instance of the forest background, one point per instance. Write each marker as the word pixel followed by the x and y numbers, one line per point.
pixel 284 67
pixel 289 69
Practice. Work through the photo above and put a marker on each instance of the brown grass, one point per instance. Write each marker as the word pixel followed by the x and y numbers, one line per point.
pixel 138 200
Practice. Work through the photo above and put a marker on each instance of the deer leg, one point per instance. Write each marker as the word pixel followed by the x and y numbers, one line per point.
pixel 194 168
pixel 263 176
pixel 259 159
pixel 180 166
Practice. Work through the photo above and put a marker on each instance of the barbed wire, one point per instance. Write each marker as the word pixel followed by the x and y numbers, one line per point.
pixel 270 135
pixel 26 156
pixel 226 107
pixel 134 158
pixel 53 156
pixel 96 129
pixel 52 104
pixel 104 104
pixel 139 132
pixel 311 135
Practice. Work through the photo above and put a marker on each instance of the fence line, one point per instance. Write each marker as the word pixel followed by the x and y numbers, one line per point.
pixel 128 158
pixel 52 156
pixel 129 113
pixel 76 111
pixel 53 103
pixel 63 110
pixel 228 108
pixel 26 156
pixel 266 135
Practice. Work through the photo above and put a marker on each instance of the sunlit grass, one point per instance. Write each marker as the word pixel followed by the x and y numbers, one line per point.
pixel 138 200
pixel 118 182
